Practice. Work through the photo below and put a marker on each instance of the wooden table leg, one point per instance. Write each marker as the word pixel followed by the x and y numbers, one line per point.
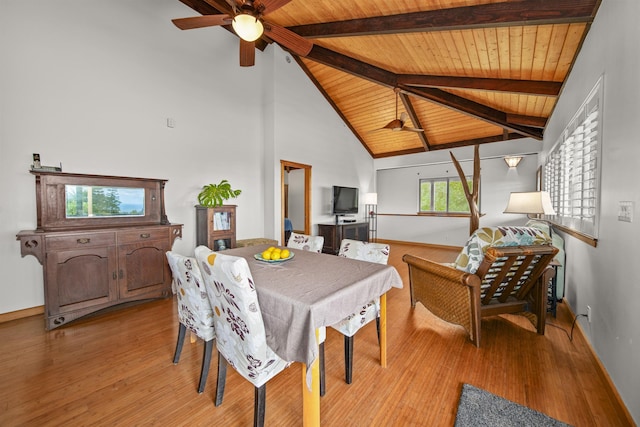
pixel 383 330
pixel 311 398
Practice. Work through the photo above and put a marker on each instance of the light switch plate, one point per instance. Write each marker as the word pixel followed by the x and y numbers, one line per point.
pixel 625 211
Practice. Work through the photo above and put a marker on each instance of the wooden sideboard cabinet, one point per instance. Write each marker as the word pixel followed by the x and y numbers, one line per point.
pixel 334 233
pixel 97 266
pixel 216 227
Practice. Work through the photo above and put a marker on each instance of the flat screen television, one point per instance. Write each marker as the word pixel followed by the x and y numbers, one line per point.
pixel 345 200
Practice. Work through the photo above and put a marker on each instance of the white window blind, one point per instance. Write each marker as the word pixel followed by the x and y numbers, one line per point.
pixel 572 168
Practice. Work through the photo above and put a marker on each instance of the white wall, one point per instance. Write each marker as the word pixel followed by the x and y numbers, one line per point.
pixel 309 131
pixel 397 188
pixel 91 84
pixel 606 277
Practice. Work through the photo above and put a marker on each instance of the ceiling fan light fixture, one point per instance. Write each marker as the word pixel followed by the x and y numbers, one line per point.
pixel 248 27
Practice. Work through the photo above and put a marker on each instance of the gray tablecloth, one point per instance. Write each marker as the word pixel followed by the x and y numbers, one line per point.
pixel 309 291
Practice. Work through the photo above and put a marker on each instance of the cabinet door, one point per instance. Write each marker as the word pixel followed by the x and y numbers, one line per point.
pixel 355 231
pixel 143 269
pixel 328 231
pixel 76 279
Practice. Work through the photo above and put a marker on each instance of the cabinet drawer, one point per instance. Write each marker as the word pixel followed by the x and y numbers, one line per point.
pixel 142 235
pixel 80 241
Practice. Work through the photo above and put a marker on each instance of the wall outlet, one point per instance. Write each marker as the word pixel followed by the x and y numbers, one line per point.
pixel 589 313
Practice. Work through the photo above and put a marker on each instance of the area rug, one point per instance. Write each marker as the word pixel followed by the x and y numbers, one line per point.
pixel 479 408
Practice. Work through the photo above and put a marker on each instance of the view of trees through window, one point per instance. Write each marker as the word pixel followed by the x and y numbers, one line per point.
pixel 443 195
pixel 87 201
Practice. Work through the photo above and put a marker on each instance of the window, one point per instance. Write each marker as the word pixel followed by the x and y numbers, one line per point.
pixel 443 195
pixel 571 171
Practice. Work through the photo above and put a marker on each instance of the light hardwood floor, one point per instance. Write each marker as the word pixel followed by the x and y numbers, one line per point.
pixel 115 369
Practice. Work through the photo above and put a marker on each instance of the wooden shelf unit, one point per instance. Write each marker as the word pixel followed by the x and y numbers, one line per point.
pixel 216 227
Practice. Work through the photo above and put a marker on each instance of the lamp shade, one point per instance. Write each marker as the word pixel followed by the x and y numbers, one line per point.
pixel 248 27
pixel 532 203
pixel 370 199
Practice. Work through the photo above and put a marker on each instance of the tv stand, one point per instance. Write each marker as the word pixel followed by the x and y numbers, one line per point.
pixel 334 233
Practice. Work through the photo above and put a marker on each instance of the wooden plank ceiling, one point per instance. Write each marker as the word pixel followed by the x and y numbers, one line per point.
pixel 466 71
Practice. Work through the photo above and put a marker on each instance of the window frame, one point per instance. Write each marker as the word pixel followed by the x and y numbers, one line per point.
pixel 571 171
pixel 448 181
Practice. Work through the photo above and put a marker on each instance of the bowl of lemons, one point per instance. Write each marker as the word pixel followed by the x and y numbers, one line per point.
pixel 274 254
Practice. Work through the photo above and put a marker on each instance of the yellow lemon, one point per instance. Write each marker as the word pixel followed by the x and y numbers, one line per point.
pixel 270 248
pixel 284 254
pixel 275 255
pixel 266 254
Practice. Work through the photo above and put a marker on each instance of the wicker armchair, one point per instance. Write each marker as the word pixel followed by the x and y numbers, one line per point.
pixel 500 270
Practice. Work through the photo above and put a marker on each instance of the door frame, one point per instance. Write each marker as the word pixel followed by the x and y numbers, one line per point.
pixel 286 165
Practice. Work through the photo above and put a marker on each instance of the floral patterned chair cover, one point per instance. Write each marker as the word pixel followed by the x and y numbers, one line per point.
pixel 306 242
pixel 483 238
pixel 194 309
pixel 240 333
pixel 363 251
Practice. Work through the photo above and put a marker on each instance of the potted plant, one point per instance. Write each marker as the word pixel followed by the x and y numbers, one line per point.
pixel 214 195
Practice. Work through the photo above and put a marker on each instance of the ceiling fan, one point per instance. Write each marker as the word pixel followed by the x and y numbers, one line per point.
pixel 246 18
pixel 398 124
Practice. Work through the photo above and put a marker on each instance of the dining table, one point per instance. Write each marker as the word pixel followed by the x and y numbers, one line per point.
pixel 306 292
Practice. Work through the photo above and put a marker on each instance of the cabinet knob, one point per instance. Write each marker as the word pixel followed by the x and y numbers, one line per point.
pixel 115 275
pixel 145 235
pixel 83 240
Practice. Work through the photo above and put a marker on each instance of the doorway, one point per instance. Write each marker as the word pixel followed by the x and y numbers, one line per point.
pixel 295 194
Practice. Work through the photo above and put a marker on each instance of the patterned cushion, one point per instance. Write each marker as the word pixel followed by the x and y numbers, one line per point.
pixel 240 333
pixel 305 242
pixel 372 252
pixel 194 309
pixel 473 251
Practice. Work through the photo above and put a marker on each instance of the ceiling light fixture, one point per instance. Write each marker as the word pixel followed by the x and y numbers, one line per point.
pixel 248 27
pixel 512 161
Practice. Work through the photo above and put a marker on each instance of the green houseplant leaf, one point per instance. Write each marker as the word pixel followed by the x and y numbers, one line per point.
pixel 214 195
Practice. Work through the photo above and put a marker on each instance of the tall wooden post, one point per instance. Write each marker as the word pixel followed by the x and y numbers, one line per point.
pixel 472 196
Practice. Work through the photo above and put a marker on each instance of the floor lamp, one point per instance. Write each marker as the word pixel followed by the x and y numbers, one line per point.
pixel 371 214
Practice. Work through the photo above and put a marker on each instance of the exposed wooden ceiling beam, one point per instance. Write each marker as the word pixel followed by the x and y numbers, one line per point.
pixel 472 108
pixel 532 87
pixel 352 66
pixel 386 78
pixel 518 119
pixel 508 13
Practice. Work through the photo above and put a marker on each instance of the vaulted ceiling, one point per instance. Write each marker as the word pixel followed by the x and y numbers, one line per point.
pixel 467 72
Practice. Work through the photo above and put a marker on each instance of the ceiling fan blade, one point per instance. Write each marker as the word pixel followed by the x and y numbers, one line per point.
pixel 288 39
pixel 271 5
pixel 247 53
pixel 201 21
pixel 393 125
pixel 403 119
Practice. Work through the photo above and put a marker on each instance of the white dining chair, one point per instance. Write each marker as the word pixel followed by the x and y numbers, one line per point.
pixel 194 309
pixel 241 339
pixel 363 251
pixel 306 242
